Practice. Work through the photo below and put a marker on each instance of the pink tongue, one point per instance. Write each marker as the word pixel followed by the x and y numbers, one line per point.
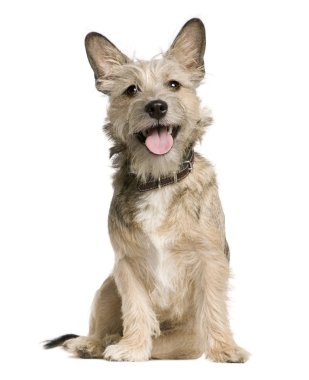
pixel 159 141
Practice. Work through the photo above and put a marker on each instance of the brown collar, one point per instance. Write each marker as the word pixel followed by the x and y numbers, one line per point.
pixel 185 168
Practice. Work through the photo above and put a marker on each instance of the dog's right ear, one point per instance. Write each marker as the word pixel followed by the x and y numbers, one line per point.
pixel 102 55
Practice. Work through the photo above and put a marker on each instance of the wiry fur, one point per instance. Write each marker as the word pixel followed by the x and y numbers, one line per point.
pixel 166 297
pixel 151 77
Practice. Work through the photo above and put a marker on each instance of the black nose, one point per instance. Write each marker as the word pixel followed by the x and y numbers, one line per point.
pixel 156 109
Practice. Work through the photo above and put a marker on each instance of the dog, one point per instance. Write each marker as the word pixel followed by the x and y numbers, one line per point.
pixel 167 295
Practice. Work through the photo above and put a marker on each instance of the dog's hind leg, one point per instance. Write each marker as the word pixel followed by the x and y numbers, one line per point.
pixel 105 318
pixel 89 347
pixel 180 343
pixel 105 324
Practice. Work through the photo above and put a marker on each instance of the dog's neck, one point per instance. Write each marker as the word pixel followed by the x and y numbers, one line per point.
pixel 184 170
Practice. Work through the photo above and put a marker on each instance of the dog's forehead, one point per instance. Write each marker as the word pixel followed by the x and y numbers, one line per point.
pixel 148 73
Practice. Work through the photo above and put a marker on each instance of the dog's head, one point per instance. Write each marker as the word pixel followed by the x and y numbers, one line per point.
pixel 154 115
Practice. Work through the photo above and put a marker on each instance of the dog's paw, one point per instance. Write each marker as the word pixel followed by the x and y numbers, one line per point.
pixel 126 352
pixel 84 347
pixel 228 354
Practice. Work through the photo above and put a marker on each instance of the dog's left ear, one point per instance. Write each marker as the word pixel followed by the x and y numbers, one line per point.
pixel 188 47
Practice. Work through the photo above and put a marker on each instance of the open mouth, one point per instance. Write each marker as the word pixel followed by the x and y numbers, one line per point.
pixel 159 139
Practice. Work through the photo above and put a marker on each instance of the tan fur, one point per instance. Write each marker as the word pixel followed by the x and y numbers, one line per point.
pixel 166 297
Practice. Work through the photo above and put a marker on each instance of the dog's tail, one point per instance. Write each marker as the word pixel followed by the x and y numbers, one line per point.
pixel 58 341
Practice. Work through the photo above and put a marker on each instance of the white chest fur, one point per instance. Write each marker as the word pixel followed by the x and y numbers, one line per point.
pixel 151 216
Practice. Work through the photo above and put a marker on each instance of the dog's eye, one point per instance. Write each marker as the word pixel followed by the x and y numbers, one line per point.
pixel 174 85
pixel 132 90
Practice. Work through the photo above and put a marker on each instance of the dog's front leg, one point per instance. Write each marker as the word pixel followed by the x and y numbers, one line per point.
pixel 212 310
pixel 139 320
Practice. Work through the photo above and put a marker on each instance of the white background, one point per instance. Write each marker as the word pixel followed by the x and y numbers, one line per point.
pixel 55 176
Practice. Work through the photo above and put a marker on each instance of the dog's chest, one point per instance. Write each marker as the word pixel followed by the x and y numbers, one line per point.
pixel 152 213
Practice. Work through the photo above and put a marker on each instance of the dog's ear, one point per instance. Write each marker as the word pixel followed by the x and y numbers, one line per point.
pixel 188 47
pixel 102 55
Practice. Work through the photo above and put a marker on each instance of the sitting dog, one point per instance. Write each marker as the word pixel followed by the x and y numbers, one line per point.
pixel 166 297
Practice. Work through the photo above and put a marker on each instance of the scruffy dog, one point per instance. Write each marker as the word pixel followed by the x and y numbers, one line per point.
pixel 166 297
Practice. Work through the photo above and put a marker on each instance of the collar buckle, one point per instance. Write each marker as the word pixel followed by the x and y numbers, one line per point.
pixel 190 168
